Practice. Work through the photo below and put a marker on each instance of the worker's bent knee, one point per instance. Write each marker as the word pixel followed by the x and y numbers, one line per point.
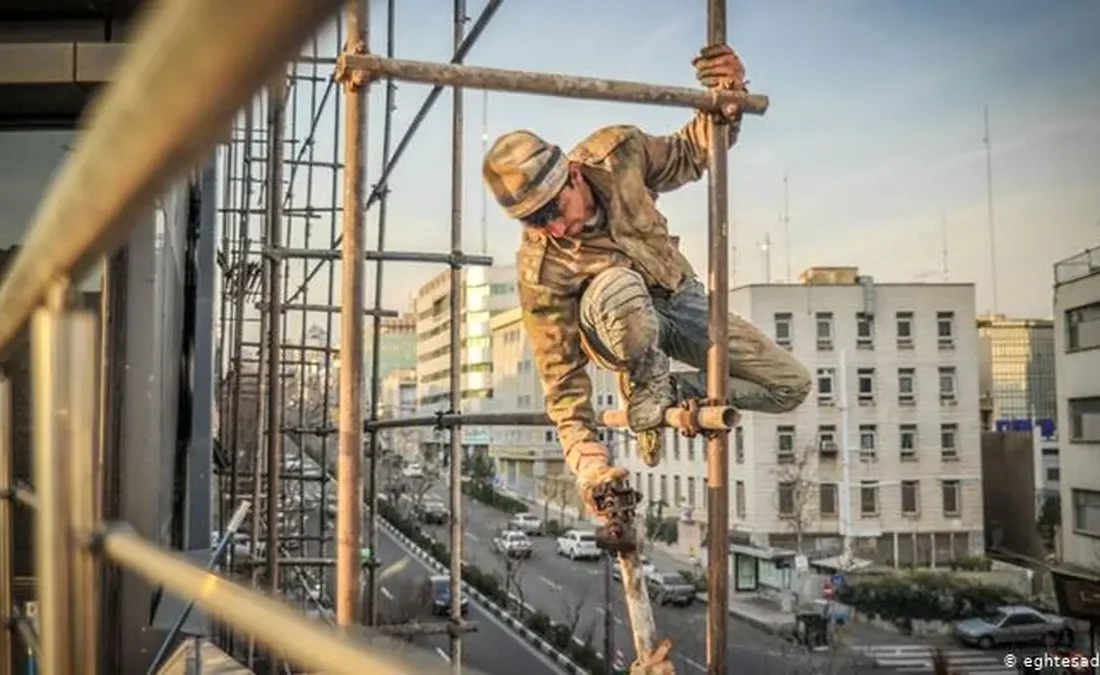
pixel 791 388
pixel 618 317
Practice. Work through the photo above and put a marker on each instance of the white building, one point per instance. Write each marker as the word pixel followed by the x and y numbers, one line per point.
pixel 396 400
pixel 896 381
pixel 485 292
pixel 525 455
pixel 1077 359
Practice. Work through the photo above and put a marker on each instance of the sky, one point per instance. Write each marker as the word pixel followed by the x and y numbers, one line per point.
pixel 876 118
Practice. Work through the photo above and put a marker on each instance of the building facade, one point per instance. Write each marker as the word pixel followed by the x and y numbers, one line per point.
pixel 1018 392
pixel 885 449
pixel 525 456
pixel 485 291
pixel 396 400
pixel 396 344
pixel 1077 359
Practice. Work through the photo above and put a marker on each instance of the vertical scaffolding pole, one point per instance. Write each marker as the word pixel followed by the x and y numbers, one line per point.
pixel 349 470
pixel 276 101
pixel 6 531
pixel 376 336
pixel 225 337
pixel 718 370
pixel 53 546
pixel 456 350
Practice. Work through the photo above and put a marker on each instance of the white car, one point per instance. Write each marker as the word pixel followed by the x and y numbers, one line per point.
pixel 513 544
pixel 527 523
pixel 578 545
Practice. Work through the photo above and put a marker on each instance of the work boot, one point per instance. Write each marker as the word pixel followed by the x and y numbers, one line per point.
pixel 647 389
pixel 594 475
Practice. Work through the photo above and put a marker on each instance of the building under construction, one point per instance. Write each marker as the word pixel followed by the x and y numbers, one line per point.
pixel 208 490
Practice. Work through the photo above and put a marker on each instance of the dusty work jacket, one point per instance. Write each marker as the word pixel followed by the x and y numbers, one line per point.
pixel 626 169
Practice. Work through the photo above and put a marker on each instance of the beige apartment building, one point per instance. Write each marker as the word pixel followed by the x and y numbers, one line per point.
pixel 1077 358
pixel 883 456
pixel 485 291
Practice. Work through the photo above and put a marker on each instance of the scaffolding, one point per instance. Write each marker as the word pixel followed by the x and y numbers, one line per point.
pixel 148 128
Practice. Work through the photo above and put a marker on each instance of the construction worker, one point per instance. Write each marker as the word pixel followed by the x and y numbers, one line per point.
pixel 600 278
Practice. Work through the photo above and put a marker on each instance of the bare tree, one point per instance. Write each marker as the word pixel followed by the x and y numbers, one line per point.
pixel 420 486
pixel 795 491
pixel 512 582
pixel 573 606
pixel 564 492
pixel 407 602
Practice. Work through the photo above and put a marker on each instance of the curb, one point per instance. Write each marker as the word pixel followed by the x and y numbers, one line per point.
pixel 514 624
pixel 773 629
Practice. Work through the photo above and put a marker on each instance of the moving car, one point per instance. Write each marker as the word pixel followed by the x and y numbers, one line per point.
pixel 527 523
pixel 1012 625
pixel 648 569
pixel 578 545
pixel 513 544
pixel 441 595
pixel 669 588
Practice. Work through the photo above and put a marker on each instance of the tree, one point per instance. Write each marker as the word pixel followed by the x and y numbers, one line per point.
pixel 559 489
pixel 573 606
pixel 512 583
pixel 420 486
pixel 796 490
pixel 407 605
pixel 1050 518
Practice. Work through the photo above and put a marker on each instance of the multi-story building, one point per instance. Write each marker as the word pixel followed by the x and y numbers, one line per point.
pixel 524 456
pixel 885 452
pixel 1077 359
pixel 485 291
pixel 397 399
pixel 1017 389
pixel 396 344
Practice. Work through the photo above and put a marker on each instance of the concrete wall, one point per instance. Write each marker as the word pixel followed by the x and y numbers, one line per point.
pixel 1008 479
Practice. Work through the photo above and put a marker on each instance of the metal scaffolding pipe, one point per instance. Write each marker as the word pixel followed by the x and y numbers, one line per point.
pixel 704 418
pixel 273 238
pixel 552 84
pixel 376 340
pixel 148 126
pixel 718 369
pixel 307 643
pixel 393 256
pixel 456 304
pixel 349 482
pixel 382 185
pixel 53 553
pixel 6 530
pixel 333 309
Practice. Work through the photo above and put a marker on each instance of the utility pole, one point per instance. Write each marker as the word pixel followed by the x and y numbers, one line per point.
pixel 989 207
pixel 787 226
pixel 484 188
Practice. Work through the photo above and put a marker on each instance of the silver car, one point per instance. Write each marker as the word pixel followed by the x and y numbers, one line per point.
pixel 1012 625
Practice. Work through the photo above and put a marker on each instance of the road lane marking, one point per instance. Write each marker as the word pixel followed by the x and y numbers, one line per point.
pixel 473 536
pixel 442 654
pixel 694 664
pixel 386 592
pixel 550 583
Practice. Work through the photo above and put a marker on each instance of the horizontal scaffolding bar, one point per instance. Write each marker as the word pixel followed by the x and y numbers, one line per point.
pixel 426 628
pixel 299 348
pixel 703 418
pixel 309 644
pixel 387 256
pixel 552 84
pixel 333 309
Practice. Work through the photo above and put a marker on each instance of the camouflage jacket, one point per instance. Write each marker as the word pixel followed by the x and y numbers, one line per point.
pixel 626 169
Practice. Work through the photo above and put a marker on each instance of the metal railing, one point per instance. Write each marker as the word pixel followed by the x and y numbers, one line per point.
pixel 147 128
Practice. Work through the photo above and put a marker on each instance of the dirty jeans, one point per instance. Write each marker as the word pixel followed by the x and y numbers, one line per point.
pixel 763 376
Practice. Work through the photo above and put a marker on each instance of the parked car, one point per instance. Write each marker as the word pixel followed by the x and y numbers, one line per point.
pixel 1012 625
pixel 433 512
pixel 669 588
pixel 513 544
pixel 441 595
pixel 578 545
pixel 527 523
pixel 648 569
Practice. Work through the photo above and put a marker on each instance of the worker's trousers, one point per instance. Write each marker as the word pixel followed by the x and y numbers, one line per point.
pixel 625 323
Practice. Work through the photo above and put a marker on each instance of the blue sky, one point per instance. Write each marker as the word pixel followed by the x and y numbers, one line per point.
pixel 876 116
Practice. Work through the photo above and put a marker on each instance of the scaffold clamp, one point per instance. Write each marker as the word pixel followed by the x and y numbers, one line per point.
pixel 350 77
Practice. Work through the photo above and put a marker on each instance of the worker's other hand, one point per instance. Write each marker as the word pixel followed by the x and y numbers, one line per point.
pixel 719 67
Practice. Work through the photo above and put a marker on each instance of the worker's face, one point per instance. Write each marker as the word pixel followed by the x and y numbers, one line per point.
pixel 567 213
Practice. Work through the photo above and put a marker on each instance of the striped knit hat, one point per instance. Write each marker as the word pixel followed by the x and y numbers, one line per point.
pixel 524 172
